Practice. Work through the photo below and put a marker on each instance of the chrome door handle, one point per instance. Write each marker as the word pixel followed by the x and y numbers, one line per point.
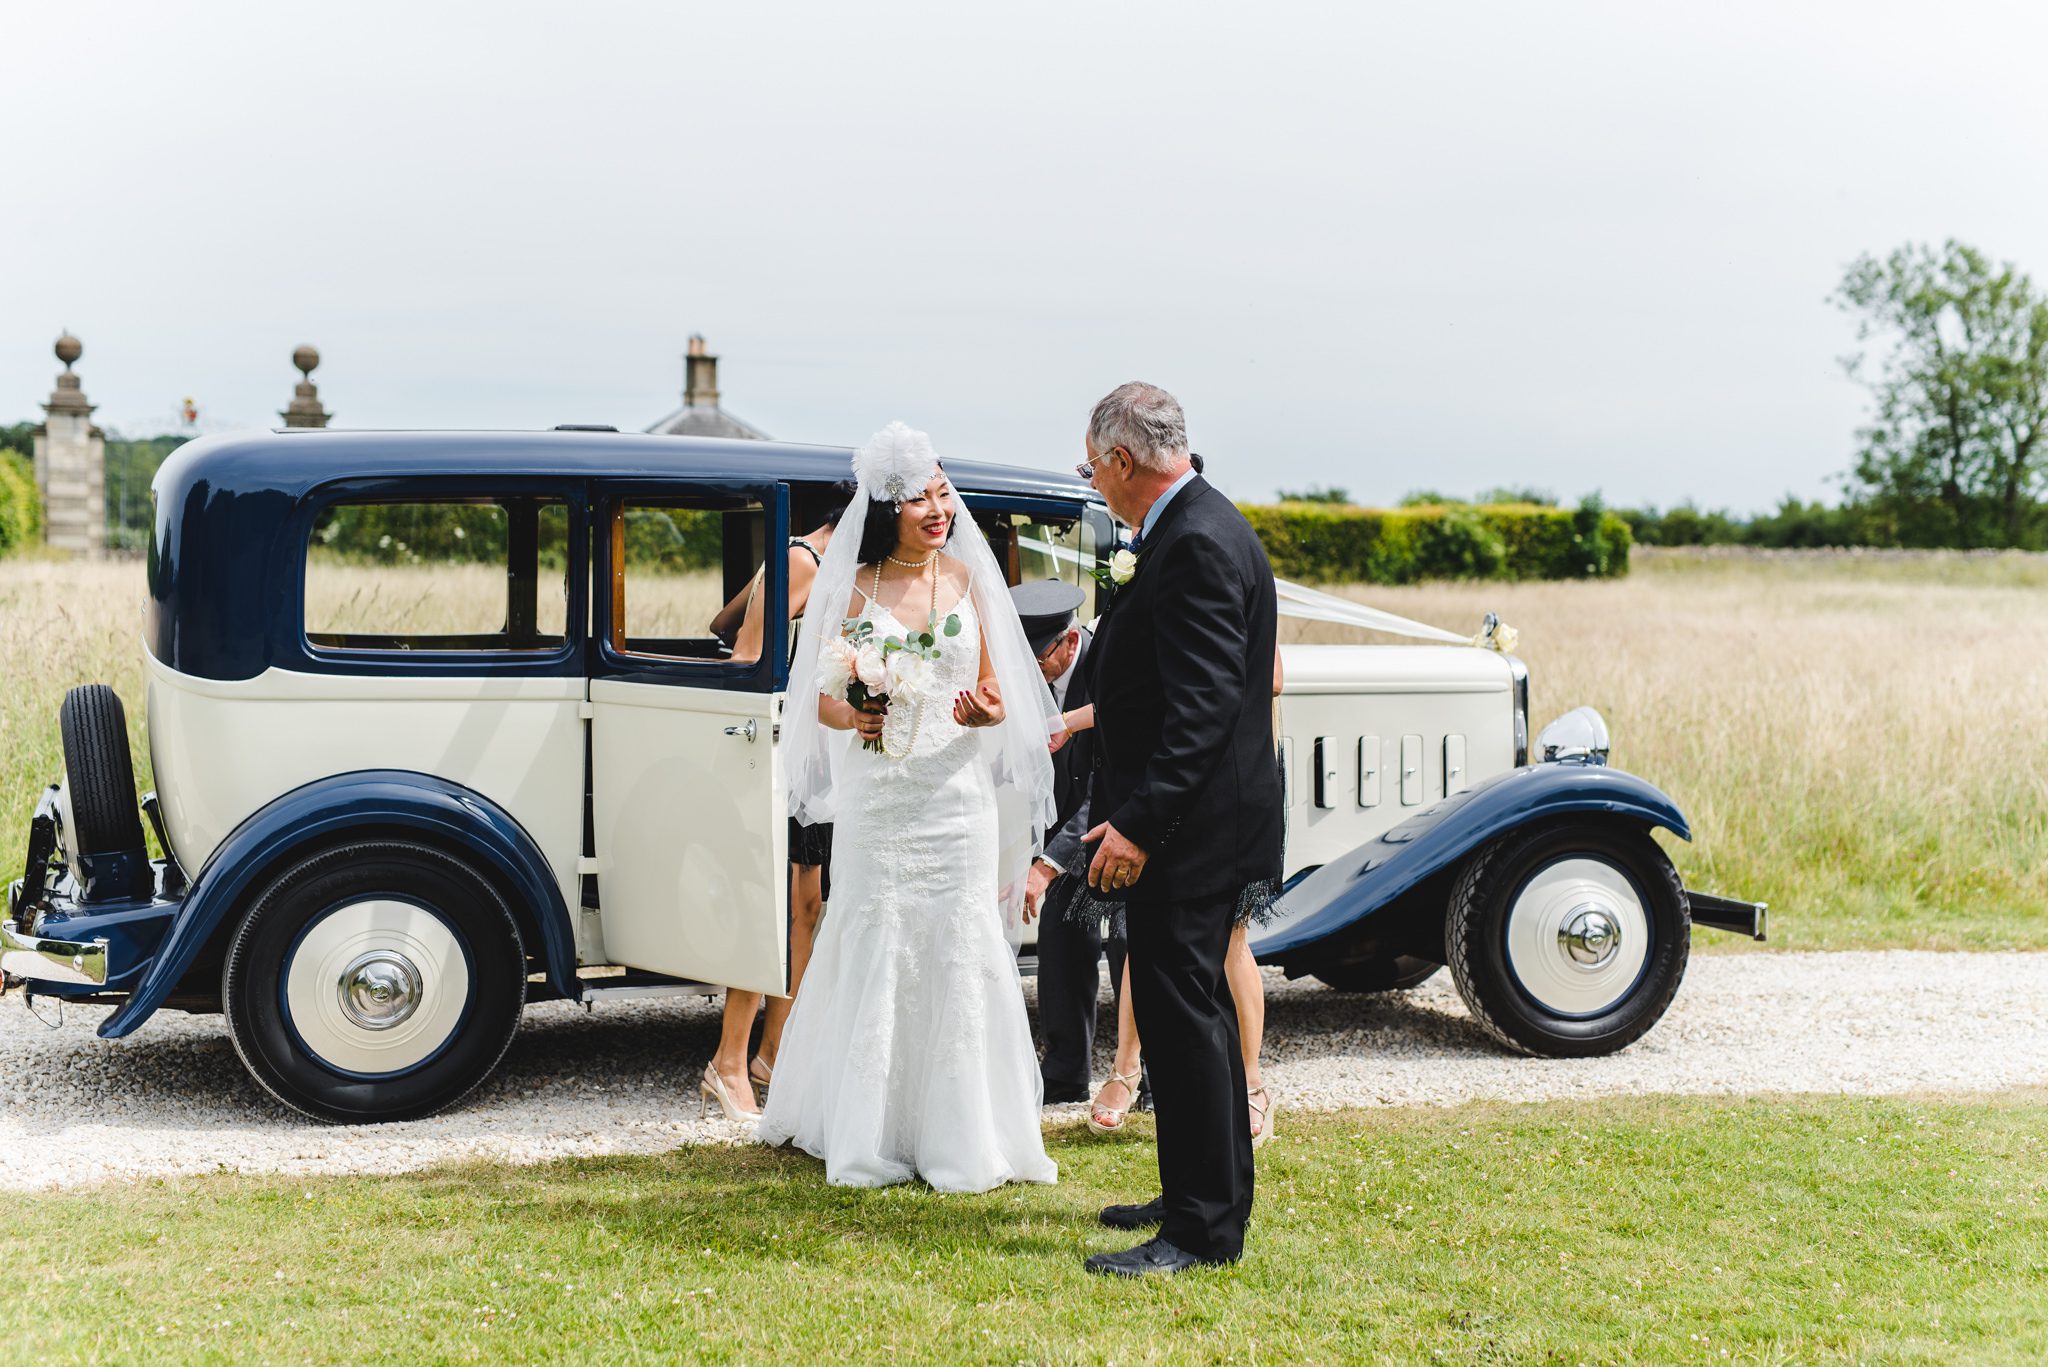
pixel 750 730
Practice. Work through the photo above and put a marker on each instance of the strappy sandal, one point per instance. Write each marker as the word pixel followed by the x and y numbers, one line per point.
pixel 1264 1113
pixel 1130 1085
pixel 761 1078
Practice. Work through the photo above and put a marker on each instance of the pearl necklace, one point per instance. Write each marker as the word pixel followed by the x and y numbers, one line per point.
pixel 875 596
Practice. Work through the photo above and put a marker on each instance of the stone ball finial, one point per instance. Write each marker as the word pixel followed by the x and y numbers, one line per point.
pixel 69 349
pixel 306 359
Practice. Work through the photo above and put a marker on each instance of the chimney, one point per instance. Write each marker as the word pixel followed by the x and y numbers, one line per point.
pixel 700 375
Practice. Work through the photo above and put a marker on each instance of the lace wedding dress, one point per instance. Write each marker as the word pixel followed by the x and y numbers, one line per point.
pixel 908 1053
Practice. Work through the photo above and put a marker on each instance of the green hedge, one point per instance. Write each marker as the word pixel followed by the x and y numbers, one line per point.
pixel 1326 543
pixel 21 508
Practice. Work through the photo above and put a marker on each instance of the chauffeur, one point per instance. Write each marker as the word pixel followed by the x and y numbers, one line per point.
pixel 1069 947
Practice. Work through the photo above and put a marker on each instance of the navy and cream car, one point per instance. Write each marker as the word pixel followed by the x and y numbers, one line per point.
pixel 440 727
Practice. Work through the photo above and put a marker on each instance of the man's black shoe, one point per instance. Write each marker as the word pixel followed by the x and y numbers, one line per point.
pixel 1059 1096
pixel 1134 1217
pixel 1154 1257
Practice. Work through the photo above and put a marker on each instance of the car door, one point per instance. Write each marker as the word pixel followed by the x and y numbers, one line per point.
pixel 688 814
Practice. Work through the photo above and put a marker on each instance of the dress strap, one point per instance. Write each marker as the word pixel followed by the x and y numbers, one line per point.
pixel 796 541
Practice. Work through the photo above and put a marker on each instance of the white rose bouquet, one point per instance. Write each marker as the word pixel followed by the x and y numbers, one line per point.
pixel 866 670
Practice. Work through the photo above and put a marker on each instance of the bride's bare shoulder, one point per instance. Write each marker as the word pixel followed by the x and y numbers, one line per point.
pixel 953 572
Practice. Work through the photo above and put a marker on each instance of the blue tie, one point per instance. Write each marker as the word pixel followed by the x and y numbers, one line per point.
pixel 1136 542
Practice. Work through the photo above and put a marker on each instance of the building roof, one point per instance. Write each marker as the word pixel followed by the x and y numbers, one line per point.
pixel 697 420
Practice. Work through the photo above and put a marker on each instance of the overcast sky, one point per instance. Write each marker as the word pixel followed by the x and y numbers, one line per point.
pixel 1382 247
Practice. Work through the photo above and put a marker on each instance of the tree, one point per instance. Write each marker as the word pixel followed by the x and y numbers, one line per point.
pixel 1952 455
pixel 1316 493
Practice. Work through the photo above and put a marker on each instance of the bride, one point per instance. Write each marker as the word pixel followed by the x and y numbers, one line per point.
pixel 908 1052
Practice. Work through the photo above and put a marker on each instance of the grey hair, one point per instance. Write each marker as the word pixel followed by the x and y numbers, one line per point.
pixel 1143 419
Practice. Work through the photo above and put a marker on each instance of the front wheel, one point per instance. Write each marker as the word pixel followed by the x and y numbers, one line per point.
pixel 376 981
pixel 1568 940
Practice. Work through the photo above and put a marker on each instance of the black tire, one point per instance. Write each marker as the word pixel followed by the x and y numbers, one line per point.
pixel 99 773
pixel 1396 974
pixel 1476 935
pixel 257 997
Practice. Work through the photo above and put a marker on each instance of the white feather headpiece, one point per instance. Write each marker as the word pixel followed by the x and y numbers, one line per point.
pixel 895 464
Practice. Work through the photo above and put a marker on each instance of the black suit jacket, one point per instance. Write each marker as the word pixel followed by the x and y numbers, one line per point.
pixel 1182 677
pixel 1073 771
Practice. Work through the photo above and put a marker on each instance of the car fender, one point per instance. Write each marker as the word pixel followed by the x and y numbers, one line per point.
pixel 1352 887
pixel 387 801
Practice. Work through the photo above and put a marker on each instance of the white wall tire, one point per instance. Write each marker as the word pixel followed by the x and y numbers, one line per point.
pixel 1568 940
pixel 377 981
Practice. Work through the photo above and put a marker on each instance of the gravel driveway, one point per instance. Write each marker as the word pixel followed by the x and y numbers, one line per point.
pixel 175 1099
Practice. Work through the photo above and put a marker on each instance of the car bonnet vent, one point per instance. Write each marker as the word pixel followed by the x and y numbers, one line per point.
pixel 585 427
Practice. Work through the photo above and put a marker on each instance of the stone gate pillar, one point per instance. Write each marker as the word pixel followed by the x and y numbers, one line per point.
pixel 71 463
pixel 305 409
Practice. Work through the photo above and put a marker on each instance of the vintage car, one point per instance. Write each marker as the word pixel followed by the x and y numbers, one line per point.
pixel 439 728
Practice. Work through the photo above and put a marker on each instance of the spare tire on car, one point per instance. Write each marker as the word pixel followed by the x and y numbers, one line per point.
pixel 104 838
pixel 99 775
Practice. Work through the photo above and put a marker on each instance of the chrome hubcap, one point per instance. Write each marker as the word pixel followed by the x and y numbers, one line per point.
pixel 376 987
pixel 1578 937
pixel 1591 937
pixel 379 990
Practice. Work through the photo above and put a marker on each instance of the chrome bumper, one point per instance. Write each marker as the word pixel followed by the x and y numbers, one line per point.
pixel 63 961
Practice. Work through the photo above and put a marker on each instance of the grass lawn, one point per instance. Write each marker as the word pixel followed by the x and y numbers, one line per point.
pixel 1769 1229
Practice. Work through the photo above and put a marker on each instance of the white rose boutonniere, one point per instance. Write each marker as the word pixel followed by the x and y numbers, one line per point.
pixel 1118 572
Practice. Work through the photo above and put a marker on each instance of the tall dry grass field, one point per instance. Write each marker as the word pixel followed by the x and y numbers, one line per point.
pixel 1860 740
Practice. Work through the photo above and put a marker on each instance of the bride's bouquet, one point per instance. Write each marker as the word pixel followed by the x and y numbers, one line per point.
pixel 865 669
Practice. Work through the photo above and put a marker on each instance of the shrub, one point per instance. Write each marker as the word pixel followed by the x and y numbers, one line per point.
pixel 1322 543
pixel 21 508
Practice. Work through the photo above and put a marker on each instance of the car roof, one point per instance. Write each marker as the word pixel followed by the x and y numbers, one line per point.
pixel 293 461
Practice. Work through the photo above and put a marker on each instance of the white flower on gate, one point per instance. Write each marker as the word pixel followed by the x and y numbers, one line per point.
pixel 870 668
pixel 835 666
pixel 1122 566
pixel 908 671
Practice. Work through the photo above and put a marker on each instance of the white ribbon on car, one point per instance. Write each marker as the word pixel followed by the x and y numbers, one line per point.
pixel 1312 605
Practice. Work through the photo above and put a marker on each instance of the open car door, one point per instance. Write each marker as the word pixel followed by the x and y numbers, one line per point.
pixel 691 831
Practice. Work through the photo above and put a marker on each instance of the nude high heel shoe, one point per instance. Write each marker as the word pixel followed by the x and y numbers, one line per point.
pixel 1130 1083
pixel 711 1087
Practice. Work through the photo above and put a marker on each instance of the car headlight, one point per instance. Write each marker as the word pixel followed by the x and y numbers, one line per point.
pixel 1579 734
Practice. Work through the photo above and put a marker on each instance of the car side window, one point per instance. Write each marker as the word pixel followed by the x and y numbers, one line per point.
pixel 1054 548
pixel 470 575
pixel 677 564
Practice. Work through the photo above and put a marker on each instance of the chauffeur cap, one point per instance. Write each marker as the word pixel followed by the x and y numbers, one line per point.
pixel 1046 607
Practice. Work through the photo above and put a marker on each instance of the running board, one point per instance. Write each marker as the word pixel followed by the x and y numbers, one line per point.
pixel 630 984
pixel 1728 913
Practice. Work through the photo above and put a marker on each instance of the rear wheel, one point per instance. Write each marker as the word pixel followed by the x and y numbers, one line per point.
pixel 1568 941
pixel 376 981
pixel 1395 974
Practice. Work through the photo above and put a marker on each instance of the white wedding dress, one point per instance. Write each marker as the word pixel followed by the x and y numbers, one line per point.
pixel 908 1052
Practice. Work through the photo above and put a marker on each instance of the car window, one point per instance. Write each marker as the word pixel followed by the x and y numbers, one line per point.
pixel 677 562
pixel 1054 549
pixel 440 575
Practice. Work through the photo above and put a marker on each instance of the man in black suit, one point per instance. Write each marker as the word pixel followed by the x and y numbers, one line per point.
pixel 1069 946
pixel 1187 803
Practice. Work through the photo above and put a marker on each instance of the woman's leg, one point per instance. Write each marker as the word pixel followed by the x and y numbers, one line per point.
pixel 730 1062
pixel 806 905
pixel 1248 990
pixel 1122 1093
